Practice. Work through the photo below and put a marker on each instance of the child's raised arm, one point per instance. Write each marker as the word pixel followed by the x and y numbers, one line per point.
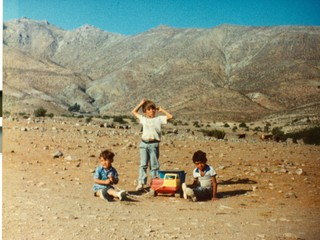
pixel 135 111
pixel 169 116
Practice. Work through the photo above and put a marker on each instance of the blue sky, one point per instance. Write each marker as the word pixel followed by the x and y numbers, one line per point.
pixel 136 16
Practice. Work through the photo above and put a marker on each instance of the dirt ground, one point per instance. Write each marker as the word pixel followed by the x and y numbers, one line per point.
pixel 267 190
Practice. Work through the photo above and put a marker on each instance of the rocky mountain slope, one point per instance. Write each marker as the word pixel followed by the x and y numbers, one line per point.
pixel 227 72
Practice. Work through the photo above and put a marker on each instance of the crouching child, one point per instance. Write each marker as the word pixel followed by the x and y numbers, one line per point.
pixel 204 184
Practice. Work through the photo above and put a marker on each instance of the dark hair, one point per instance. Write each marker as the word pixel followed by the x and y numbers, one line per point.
pixel 199 156
pixel 106 154
pixel 148 104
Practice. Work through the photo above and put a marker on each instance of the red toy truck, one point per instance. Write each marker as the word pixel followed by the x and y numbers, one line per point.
pixel 169 182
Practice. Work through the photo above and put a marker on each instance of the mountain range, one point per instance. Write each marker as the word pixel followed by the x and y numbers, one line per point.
pixel 223 73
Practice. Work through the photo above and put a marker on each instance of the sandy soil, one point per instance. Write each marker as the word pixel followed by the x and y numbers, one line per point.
pixel 267 190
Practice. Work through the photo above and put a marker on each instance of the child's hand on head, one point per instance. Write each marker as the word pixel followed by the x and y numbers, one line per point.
pixel 143 100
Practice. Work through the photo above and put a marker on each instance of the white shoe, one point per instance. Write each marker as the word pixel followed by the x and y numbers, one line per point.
pixel 190 193
pixel 122 194
pixel 139 187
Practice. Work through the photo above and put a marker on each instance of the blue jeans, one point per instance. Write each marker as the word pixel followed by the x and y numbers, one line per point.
pixel 202 192
pixel 149 152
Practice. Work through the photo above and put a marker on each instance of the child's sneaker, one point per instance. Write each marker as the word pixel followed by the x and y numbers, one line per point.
pixel 139 187
pixel 188 193
pixel 191 194
pixel 122 194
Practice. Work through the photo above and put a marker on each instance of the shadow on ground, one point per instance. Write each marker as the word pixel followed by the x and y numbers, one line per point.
pixel 236 181
pixel 232 193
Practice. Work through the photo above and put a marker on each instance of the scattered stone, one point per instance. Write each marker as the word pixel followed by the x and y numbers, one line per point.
pixel 291 195
pixel 290 235
pixel 71 158
pixel 299 171
pixel 57 154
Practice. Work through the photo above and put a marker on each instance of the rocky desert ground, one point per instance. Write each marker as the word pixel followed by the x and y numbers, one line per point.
pixel 267 190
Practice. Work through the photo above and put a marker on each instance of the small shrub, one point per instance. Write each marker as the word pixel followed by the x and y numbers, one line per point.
pixel 88 119
pixel 243 125
pixel 266 128
pixel 257 129
pixel 278 134
pixel 50 115
pixel 226 125
pixel 214 133
pixel 74 108
pixel 119 119
pixel 196 124
pixel 40 112
pixel 105 117
pixel 176 122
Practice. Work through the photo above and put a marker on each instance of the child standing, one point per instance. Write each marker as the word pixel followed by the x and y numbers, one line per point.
pixel 204 184
pixel 104 178
pixel 151 137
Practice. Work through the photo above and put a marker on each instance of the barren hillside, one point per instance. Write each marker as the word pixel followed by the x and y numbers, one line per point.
pixel 227 72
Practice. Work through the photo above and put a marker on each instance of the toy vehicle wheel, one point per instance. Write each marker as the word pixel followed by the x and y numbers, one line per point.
pixel 180 193
pixel 153 192
pixel 177 195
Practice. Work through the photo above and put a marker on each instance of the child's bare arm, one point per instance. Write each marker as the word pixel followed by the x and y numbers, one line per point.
pixel 135 111
pixel 169 116
pixel 214 188
pixel 102 182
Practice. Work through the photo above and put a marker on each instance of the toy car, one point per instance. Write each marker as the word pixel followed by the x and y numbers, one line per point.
pixel 168 182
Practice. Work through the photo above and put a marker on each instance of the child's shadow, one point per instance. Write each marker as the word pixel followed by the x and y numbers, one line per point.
pixel 133 196
pixel 237 192
pixel 130 198
pixel 237 181
pixel 232 193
